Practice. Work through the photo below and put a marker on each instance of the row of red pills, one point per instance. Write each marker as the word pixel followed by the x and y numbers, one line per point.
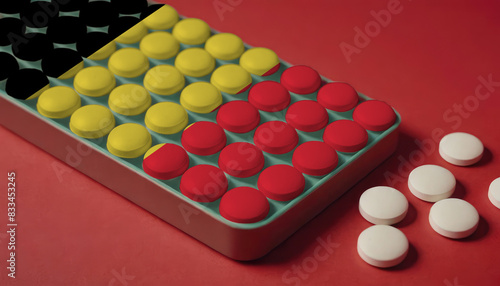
pixel 206 183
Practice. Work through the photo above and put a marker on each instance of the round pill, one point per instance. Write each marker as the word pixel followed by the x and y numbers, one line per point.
pixel 164 80
pixel 281 182
pixel 241 160
pixel 203 183
pixel 431 183
pixel 159 17
pixel 195 62
pixel 383 246
pixel 201 97
pixel 34 47
pixel 98 14
pixel 315 158
pixel 62 63
pixel 345 136
pixel 301 79
pixel 16 86
pixel 276 137
pixel 128 30
pixel 9 65
pixel 129 99
pixel 260 61
pixel 232 79
pixel 66 30
pixel 374 115
pixel 160 45
pixel 244 205
pixel 92 121
pixel 166 118
pixel 203 138
pixel 225 46
pixel 307 115
pixel 8 27
pixel 129 140
pixel 461 149
pixel 38 14
pixel 96 46
pixel 58 102
pixel 338 96
pixel 269 96
pixel 383 205
pixel 94 81
pixel 128 62
pixel 191 31
pixel 494 192
pixel 238 116
pixel 165 161
pixel 453 218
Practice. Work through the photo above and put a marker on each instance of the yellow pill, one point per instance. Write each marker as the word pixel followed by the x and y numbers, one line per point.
pixel 162 19
pixel 129 140
pixel 195 62
pixel 128 62
pixel 164 80
pixel 129 99
pixel 94 81
pixel 201 97
pixel 58 102
pixel 166 118
pixel 92 121
pixel 260 61
pixel 191 31
pixel 160 45
pixel 133 35
pixel 73 71
pixel 225 46
pixel 232 79
pixel 104 52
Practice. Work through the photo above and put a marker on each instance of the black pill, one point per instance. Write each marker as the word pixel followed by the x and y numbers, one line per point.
pixel 121 25
pixel 92 42
pixel 32 47
pixel 98 14
pixel 59 61
pixel 8 65
pixel 25 82
pixel 70 5
pixel 12 6
pixel 10 30
pixel 66 30
pixel 39 14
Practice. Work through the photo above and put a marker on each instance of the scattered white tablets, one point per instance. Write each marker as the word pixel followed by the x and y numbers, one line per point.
pixel 494 192
pixel 461 149
pixel 453 218
pixel 382 246
pixel 383 205
pixel 431 183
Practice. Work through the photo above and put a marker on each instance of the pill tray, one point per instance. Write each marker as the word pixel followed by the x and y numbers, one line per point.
pixel 201 220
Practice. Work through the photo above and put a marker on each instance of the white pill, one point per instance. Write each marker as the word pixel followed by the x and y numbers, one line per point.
pixel 453 218
pixel 461 149
pixel 494 193
pixel 431 183
pixel 383 205
pixel 382 246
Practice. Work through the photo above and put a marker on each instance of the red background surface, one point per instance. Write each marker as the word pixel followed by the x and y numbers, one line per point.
pixel 74 231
